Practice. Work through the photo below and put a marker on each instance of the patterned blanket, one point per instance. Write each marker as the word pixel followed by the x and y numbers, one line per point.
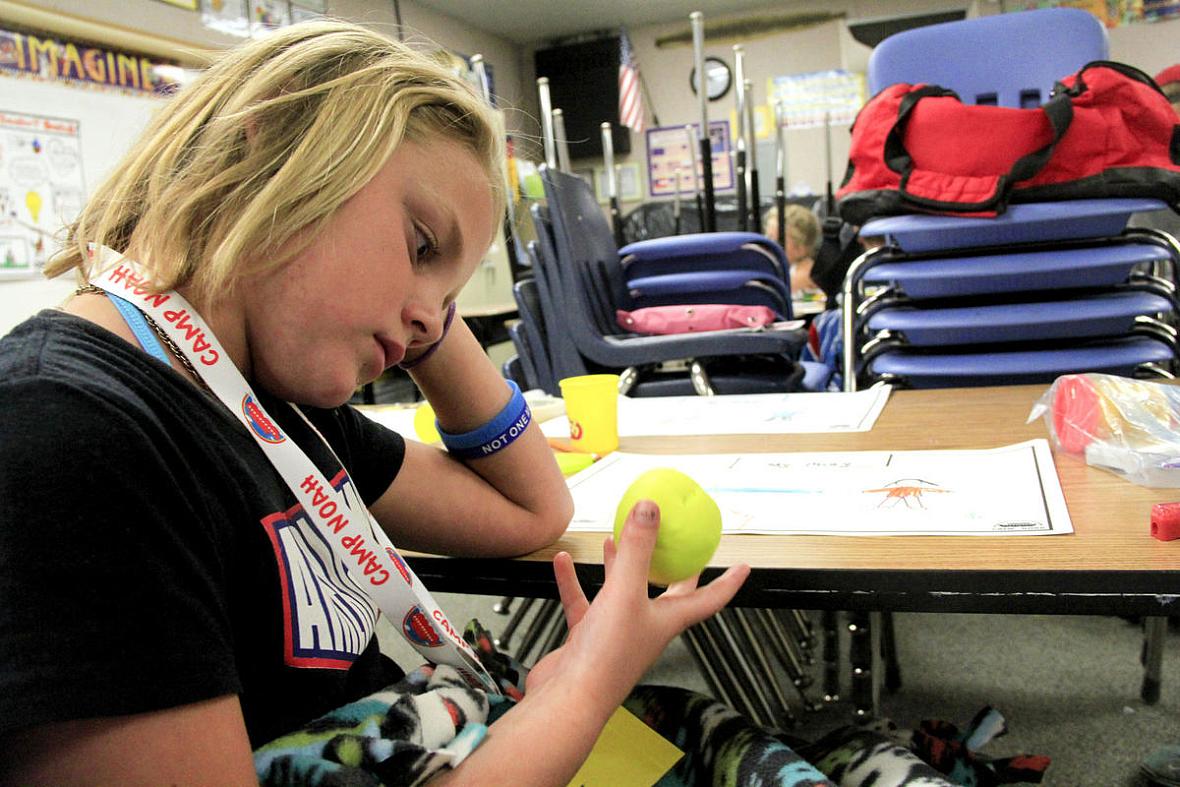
pixel 431 720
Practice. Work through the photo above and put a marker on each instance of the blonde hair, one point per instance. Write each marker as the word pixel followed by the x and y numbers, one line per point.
pixel 802 226
pixel 268 141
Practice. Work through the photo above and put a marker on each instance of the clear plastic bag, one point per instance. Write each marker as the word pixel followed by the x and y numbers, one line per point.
pixel 1130 427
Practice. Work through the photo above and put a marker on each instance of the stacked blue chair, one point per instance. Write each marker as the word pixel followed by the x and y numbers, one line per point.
pixel 1042 290
pixel 564 358
pixel 739 267
pixel 580 262
pixel 529 336
pixel 1004 313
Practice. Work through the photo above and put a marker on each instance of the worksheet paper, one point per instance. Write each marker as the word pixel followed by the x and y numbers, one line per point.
pixel 1011 490
pixel 793 413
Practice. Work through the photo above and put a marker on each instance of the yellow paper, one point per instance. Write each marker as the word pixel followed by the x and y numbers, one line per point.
pixel 628 753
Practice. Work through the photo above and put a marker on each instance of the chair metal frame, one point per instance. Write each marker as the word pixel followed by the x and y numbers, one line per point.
pixel 1041 47
pixel 583 252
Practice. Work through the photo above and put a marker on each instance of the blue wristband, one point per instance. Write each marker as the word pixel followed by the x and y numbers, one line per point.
pixel 496 435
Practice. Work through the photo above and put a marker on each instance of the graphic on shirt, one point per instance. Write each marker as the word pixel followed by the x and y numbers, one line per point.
pixel 328 618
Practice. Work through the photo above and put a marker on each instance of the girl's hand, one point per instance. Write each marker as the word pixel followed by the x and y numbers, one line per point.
pixel 613 641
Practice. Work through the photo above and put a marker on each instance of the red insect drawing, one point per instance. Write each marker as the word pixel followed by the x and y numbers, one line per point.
pixel 904 490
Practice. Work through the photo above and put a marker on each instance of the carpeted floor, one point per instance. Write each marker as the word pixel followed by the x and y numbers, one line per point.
pixel 1068 686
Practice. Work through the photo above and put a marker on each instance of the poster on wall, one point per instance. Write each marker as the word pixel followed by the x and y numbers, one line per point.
pixel 1111 13
pixel 268 15
pixel 226 16
pixel 1154 10
pixel 807 99
pixel 670 156
pixel 31 56
pixel 41 187
pixel 627 179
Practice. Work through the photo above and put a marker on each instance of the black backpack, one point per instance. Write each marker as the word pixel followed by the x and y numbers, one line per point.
pixel 837 249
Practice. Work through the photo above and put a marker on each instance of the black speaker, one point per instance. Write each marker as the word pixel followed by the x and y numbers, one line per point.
pixel 584 85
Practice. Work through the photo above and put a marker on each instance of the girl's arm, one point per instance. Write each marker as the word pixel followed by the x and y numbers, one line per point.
pixel 512 502
pixel 201 743
pixel 573 691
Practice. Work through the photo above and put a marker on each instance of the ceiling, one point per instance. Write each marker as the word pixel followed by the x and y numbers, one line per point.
pixel 526 21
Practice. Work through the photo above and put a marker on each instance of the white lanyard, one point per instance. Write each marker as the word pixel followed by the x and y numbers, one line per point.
pixel 356 539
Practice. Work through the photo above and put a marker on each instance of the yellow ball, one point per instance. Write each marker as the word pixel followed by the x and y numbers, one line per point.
pixel 424 424
pixel 690 523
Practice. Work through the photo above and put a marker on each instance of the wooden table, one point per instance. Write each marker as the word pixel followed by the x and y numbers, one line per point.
pixel 1109 565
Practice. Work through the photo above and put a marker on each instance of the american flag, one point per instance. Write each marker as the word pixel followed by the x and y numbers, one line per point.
pixel 630 98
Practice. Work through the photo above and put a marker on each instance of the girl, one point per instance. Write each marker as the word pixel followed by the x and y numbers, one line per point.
pixel 176 456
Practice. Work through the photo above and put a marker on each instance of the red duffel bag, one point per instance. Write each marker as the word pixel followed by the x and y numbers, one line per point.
pixel 1107 131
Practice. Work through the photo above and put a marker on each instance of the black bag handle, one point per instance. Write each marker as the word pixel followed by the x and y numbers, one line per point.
pixel 1058 109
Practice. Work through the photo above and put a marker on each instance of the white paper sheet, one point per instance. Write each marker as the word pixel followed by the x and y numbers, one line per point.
pixel 398 417
pixel 793 413
pixel 1011 490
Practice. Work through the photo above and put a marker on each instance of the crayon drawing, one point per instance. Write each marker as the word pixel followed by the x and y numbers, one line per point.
pixel 905 490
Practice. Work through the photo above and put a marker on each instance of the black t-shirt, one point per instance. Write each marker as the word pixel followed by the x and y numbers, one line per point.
pixel 150 555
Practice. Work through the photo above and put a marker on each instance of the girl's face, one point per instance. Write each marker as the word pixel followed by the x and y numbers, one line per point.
pixel 795 251
pixel 375 283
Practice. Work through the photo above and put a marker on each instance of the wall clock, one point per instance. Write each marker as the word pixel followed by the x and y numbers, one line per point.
pixel 718 78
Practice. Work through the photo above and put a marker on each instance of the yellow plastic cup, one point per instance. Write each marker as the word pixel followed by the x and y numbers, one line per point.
pixel 592 405
pixel 424 424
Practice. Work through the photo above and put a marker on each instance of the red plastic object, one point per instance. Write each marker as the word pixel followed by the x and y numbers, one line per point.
pixel 1076 412
pixel 1165 521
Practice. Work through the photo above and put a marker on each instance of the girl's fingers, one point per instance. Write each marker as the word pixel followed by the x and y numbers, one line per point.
pixel 683 587
pixel 609 552
pixel 573 599
pixel 637 541
pixel 704 602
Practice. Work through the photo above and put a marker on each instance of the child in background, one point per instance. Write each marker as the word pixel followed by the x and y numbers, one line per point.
pixel 802 237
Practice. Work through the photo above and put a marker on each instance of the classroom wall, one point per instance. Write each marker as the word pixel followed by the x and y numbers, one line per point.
pixel 168 26
pixel 171 23
pixel 1150 47
pixel 667 70
pixel 823 46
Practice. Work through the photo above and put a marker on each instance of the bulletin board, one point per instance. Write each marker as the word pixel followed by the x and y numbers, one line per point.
pixel 58 140
pixel 669 159
pixel 809 100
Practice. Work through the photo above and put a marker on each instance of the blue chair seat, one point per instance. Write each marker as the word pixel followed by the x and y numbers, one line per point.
pixel 1094 266
pixel 745 287
pixel 949 370
pixel 1108 314
pixel 703 251
pixel 582 248
pixel 1034 222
